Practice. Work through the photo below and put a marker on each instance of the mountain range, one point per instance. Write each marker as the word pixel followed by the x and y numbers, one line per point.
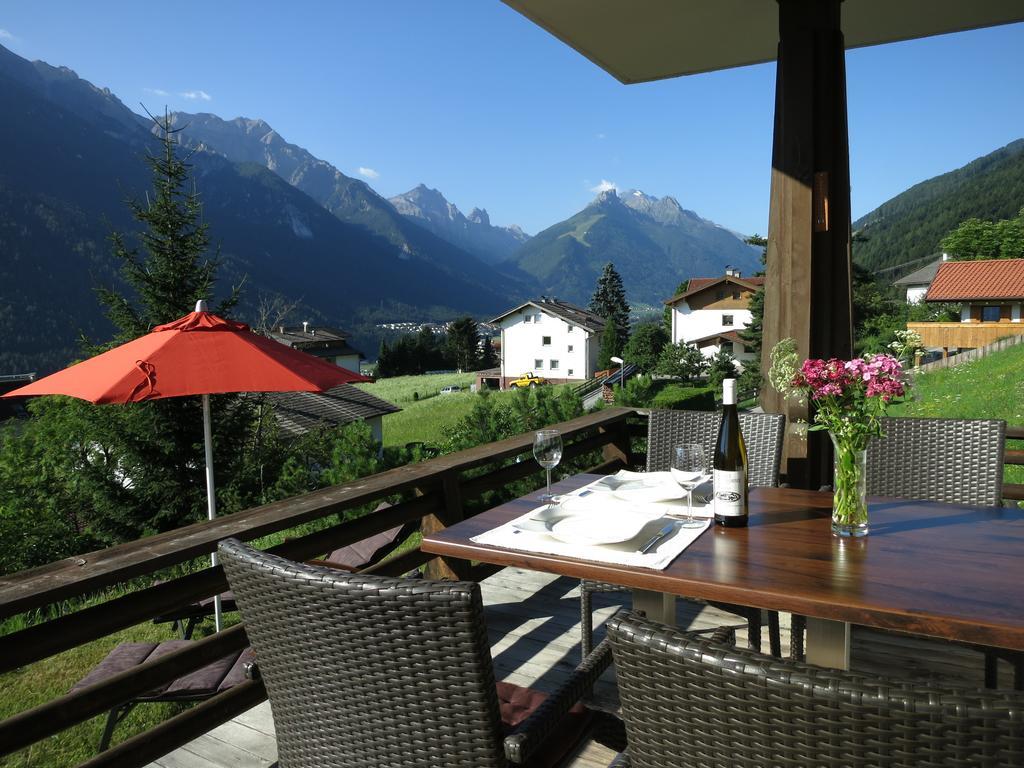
pixel 71 153
pixel 475 233
pixel 287 224
pixel 653 242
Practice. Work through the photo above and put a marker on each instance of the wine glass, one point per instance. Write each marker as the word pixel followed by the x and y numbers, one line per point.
pixel 690 469
pixel 547 450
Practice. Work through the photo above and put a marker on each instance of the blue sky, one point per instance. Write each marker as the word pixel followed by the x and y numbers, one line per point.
pixel 469 97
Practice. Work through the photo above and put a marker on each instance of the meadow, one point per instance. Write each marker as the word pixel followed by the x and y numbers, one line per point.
pixel 989 388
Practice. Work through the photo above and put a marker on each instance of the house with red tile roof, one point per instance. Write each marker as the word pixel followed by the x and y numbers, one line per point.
pixel 991 297
pixel 712 310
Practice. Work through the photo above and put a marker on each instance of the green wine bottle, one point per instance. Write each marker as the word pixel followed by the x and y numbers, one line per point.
pixel 730 464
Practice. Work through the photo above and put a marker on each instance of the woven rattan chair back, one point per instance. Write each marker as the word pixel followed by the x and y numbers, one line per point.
pixel 956 461
pixel 688 701
pixel 368 671
pixel 762 434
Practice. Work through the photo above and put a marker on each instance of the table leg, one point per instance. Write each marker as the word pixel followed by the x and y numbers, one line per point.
pixel 828 643
pixel 657 605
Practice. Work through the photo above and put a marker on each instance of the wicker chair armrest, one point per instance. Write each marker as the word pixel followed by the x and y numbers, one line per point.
pixel 529 735
pixel 621 761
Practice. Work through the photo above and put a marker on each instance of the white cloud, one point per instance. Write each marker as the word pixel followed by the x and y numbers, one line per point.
pixel 605 186
pixel 368 173
pixel 5 35
pixel 196 95
pixel 156 91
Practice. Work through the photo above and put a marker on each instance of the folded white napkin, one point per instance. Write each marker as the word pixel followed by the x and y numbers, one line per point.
pixel 604 494
pixel 531 533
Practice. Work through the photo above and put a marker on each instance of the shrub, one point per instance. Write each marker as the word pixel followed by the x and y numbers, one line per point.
pixel 679 398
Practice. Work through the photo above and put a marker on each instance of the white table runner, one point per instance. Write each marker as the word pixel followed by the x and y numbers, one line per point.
pixel 522 533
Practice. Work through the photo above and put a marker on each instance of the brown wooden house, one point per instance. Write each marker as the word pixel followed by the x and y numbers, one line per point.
pixel 991 294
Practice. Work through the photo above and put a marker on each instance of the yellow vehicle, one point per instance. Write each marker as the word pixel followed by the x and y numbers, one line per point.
pixel 528 380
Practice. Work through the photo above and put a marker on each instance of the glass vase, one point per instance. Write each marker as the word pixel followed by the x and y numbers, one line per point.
pixel 849 490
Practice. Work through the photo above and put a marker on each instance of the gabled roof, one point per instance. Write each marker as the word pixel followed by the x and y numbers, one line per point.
pixel 967 280
pixel 706 341
pixel 698 284
pixel 563 310
pixel 923 276
pixel 313 339
pixel 299 412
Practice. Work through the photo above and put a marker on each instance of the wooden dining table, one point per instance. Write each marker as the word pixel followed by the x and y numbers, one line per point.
pixel 937 570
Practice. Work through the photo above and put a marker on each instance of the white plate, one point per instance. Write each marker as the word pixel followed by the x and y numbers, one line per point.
pixel 598 528
pixel 644 487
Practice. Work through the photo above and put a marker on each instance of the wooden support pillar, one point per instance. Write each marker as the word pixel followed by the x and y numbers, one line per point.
pixel 807 287
pixel 443 567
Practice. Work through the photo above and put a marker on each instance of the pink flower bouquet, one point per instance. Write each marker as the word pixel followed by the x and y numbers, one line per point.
pixel 849 399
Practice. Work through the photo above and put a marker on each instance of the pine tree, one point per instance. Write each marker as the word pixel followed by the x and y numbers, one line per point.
pixel 163 439
pixel 609 301
pixel 609 346
pixel 462 345
pixel 488 357
pixel 176 271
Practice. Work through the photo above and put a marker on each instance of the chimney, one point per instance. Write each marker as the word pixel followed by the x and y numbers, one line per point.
pixel 945 256
pixel 305 326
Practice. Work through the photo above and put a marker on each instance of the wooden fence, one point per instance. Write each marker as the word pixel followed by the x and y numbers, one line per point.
pixel 967 355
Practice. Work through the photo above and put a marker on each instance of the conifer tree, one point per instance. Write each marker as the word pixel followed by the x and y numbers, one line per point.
pixel 609 346
pixel 176 270
pixel 609 301
pixel 462 345
pixel 163 438
pixel 488 357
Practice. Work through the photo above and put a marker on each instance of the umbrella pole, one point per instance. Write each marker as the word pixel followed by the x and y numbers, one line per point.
pixel 211 498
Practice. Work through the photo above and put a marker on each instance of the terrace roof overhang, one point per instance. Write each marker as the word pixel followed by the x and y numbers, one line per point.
pixel 808 280
pixel 643 40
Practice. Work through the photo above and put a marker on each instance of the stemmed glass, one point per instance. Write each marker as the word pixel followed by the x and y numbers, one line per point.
pixel 690 469
pixel 547 450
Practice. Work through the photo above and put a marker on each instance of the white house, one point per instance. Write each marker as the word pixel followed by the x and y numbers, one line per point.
pixel 549 338
pixel 916 283
pixel 711 311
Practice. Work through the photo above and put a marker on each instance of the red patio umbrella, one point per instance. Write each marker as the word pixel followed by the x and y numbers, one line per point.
pixel 199 354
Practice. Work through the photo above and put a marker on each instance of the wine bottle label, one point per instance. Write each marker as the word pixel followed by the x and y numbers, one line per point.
pixel 729 488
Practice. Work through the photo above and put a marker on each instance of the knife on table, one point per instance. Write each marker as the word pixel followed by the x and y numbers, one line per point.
pixel 656 538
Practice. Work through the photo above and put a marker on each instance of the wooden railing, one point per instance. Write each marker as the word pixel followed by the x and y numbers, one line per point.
pixel 438 492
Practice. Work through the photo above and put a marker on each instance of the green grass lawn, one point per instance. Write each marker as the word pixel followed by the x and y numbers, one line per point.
pixel 425 413
pixel 989 388
pixel 402 390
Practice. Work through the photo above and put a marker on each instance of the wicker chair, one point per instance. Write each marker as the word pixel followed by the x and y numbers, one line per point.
pixel 689 701
pixel 365 670
pixel 762 433
pixel 955 461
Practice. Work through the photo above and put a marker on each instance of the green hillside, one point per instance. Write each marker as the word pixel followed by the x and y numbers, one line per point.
pixel 989 388
pixel 910 226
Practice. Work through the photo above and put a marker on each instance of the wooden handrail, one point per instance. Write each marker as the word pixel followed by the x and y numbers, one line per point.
pixel 437 489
